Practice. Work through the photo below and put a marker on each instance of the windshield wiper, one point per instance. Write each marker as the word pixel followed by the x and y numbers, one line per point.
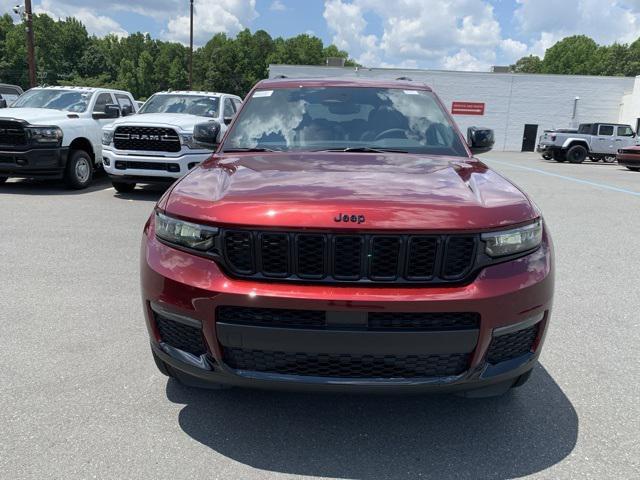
pixel 255 149
pixel 362 149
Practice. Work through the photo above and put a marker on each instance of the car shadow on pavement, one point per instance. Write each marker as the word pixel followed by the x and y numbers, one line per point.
pixel 144 192
pixel 385 437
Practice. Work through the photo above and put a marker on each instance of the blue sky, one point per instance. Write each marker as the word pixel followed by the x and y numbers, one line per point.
pixel 448 34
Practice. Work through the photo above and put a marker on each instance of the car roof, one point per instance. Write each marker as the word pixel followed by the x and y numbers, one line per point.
pixel 284 82
pixel 81 89
pixel 194 92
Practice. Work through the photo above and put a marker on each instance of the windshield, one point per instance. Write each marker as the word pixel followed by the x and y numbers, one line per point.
pixel 55 99
pixel 337 118
pixel 202 106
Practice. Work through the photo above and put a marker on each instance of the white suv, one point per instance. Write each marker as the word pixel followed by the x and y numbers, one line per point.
pixel 157 145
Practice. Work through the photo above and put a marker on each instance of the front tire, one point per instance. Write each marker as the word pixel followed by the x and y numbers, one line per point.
pixel 547 156
pixel 577 154
pixel 79 171
pixel 123 187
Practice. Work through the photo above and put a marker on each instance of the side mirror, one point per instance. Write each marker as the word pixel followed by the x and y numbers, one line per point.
pixel 126 110
pixel 206 134
pixel 480 140
pixel 227 120
pixel 110 111
pixel 3 103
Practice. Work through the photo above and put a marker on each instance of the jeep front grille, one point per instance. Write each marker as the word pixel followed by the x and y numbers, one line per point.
pixel 150 139
pixel 327 257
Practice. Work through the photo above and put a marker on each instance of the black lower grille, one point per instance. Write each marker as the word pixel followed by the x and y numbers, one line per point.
pixel 346 366
pixel 424 321
pixel 12 134
pixel 151 139
pixel 341 258
pixel 415 321
pixel 157 166
pixel 272 317
pixel 512 345
pixel 180 335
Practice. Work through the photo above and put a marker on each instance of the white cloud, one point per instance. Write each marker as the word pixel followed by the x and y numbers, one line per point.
pixel 464 61
pixel 277 6
pixel 512 50
pixel 221 16
pixel 96 24
pixel 416 32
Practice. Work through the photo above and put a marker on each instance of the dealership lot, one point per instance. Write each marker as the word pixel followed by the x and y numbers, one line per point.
pixel 82 398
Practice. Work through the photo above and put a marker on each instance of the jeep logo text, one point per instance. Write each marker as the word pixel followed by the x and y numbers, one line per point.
pixel 343 217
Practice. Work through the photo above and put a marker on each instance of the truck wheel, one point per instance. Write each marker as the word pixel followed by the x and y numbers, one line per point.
pixel 123 187
pixel 547 156
pixel 79 171
pixel 609 159
pixel 577 154
pixel 559 156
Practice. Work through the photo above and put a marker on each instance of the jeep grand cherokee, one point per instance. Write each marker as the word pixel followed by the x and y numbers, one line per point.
pixel 343 236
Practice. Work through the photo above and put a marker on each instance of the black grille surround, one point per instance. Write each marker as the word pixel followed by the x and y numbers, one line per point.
pixel 348 258
pixel 512 345
pixel 12 134
pixel 150 139
pixel 345 365
pixel 180 335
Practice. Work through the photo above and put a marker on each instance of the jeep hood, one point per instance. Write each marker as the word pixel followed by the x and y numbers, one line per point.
pixel 183 121
pixel 36 116
pixel 392 191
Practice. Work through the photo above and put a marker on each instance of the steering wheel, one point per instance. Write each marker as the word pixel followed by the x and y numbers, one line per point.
pixel 386 133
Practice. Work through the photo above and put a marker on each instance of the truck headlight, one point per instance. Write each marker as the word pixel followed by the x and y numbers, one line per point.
pixel 107 137
pixel 516 240
pixel 187 140
pixel 45 135
pixel 185 234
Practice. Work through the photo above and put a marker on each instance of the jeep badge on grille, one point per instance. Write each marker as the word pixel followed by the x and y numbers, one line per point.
pixel 346 218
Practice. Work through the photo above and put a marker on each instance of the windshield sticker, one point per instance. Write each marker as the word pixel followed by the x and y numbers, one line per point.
pixel 411 92
pixel 262 93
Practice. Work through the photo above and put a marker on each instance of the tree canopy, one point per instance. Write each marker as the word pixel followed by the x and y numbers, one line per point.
pixel 67 54
pixel 581 55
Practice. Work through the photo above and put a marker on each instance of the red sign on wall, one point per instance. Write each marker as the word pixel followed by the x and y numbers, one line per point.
pixel 467 108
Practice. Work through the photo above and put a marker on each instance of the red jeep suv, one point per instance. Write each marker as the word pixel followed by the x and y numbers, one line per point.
pixel 343 236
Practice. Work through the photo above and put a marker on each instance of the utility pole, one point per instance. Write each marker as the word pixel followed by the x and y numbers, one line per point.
pixel 191 50
pixel 31 56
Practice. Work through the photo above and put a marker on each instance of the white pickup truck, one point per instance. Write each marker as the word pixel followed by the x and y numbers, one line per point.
pixel 56 132
pixel 157 144
pixel 598 141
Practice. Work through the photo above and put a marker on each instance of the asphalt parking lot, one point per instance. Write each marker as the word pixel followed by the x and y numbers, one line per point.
pixel 81 397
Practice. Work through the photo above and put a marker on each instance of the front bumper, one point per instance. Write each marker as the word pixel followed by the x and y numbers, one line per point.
pixel 508 297
pixel 145 168
pixel 34 162
pixel 628 160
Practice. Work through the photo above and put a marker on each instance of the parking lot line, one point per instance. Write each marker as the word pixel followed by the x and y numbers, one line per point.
pixel 566 177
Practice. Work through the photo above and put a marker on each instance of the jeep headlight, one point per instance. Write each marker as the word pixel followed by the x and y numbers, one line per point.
pixel 107 137
pixel 45 135
pixel 187 140
pixel 516 240
pixel 185 234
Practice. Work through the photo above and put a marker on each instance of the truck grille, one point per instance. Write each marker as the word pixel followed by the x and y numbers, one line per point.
pixel 12 133
pixel 150 139
pixel 326 257
pixel 345 365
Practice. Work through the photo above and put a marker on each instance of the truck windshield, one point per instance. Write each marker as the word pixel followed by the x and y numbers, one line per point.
pixel 55 99
pixel 203 106
pixel 345 118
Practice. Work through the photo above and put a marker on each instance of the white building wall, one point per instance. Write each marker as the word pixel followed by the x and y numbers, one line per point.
pixel 511 100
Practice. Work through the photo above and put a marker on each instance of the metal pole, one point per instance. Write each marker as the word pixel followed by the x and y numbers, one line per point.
pixel 191 50
pixel 31 57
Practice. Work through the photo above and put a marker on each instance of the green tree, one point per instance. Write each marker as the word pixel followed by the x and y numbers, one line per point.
pixel 530 64
pixel 571 55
